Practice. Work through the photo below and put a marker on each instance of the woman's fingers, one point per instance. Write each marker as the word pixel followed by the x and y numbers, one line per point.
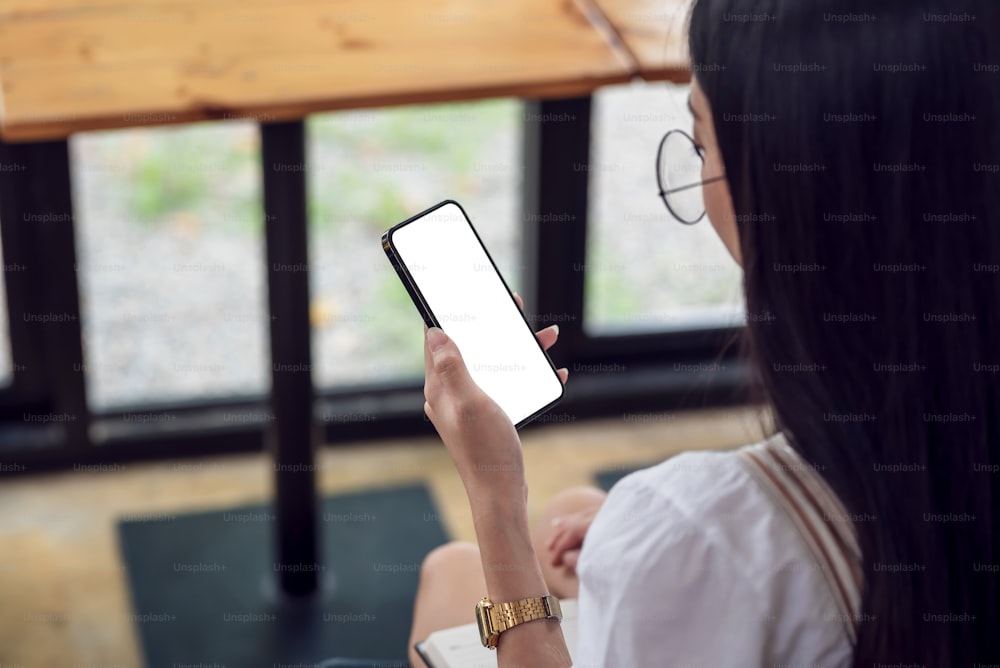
pixel 563 374
pixel 571 527
pixel 570 558
pixel 568 536
pixel 556 535
pixel 548 336
pixel 564 543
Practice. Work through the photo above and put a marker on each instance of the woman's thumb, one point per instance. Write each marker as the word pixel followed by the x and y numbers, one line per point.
pixel 446 359
pixel 436 339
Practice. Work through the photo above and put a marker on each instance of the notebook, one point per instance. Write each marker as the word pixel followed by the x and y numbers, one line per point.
pixel 461 647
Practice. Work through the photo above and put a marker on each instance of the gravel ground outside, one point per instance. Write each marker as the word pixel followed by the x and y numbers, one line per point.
pixel 171 257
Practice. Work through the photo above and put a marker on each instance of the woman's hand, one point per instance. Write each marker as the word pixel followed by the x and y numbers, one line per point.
pixel 479 436
pixel 486 450
pixel 563 548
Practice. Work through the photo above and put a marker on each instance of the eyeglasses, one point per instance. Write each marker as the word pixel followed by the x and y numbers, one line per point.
pixel 678 174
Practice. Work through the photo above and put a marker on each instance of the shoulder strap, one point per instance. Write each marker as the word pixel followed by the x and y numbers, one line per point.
pixel 821 519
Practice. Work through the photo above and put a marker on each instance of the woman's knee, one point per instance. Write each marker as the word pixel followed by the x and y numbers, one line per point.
pixel 449 558
pixel 451 581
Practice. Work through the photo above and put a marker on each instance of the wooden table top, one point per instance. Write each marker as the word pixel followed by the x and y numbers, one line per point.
pixel 73 65
pixel 655 35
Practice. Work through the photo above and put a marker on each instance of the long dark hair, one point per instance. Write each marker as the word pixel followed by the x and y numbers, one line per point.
pixel 861 145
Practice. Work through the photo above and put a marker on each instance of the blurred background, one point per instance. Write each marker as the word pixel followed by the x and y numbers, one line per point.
pixel 173 289
pixel 188 212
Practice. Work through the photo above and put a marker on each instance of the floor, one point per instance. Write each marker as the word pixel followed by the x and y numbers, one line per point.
pixel 63 586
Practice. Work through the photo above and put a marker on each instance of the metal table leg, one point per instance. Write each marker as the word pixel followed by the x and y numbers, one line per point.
pixel 36 210
pixel 292 434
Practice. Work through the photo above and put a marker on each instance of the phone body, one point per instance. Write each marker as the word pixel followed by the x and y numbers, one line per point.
pixel 456 286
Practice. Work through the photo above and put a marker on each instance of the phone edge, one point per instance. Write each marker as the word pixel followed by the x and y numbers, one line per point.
pixel 428 316
pixel 408 283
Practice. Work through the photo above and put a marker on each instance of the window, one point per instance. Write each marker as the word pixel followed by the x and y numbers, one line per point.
pixel 170 263
pixel 644 270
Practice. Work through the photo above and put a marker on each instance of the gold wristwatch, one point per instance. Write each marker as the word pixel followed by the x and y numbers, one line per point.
pixel 495 618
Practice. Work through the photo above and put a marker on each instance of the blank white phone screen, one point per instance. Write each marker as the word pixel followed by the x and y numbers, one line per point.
pixel 462 289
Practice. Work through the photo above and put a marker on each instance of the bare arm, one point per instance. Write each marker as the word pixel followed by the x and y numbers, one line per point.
pixel 486 451
pixel 512 572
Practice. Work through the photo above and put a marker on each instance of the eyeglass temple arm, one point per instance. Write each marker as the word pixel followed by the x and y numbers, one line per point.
pixel 693 185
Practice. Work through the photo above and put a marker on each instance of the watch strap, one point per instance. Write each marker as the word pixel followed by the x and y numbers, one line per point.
pixel 505 616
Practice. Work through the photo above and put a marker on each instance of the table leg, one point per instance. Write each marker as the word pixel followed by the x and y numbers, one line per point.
pixel 42 289
pixel 292 433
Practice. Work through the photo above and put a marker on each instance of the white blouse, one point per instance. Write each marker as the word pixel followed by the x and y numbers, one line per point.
pixel 695 562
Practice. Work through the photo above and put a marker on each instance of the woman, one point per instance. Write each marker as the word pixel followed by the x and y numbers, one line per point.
pixel 851 165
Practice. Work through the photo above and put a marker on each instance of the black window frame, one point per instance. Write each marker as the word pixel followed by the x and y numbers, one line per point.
pixel 640 371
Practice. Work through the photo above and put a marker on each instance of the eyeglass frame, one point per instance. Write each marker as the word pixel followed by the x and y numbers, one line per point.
pixel 659 177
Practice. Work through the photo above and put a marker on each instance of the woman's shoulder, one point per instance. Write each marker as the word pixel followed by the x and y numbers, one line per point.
pixel 684 476
pixel 760 502
pixel 695 501
pixel 713 487
pixel 738 489
pixel 699 539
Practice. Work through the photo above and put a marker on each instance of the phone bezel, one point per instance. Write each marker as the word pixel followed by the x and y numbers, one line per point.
pixel 428 315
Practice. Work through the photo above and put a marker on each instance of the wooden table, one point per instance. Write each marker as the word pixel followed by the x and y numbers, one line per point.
pixel 70 66
pixel 653 33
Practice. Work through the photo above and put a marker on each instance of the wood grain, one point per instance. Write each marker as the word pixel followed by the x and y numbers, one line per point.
pixel 69 65
pixel 655 34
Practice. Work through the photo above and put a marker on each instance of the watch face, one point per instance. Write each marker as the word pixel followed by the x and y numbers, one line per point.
pixel 486 633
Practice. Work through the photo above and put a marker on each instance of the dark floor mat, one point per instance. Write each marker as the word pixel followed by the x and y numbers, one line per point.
pixel 203 585
pixel 607 479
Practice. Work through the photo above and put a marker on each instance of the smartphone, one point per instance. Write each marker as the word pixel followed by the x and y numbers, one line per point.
pixel 456 286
